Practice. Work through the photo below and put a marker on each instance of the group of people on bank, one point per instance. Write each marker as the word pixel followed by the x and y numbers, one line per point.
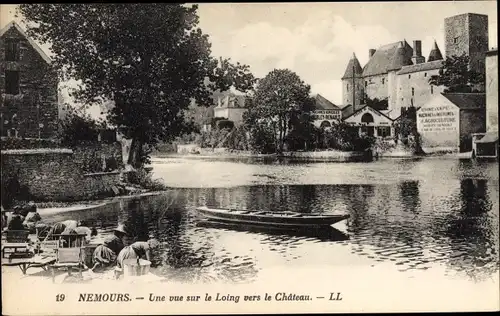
pixel 112 251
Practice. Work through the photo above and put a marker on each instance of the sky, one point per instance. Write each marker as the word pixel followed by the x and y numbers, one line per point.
pixel 316 40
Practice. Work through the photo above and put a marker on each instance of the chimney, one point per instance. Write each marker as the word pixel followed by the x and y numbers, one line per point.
pixel 417 57
pixel 371 52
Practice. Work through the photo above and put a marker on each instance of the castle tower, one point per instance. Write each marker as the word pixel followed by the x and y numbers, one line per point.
pixel 435 53
pixel 417 57
pixel 352 83
pixel 467 34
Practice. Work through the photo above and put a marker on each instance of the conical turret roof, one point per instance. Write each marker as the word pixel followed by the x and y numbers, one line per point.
pixel 435 53
pixel 400 57
pixel 353 68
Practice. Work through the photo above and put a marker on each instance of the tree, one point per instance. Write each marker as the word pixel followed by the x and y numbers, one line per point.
pixel 456 75
pixel 151 59
pixel 281 100
pixel 78 126
pixel 377 104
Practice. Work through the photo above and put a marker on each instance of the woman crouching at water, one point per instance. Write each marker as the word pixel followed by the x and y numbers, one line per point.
pixel 138 250
pixel 105 254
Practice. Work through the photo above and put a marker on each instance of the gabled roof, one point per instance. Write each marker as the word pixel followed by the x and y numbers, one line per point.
pixel 388 57
pixel 32 42
pixel 421 67
pixel 467 101
pixel 234 101
pixel 353 68
pixel 435 53
pixel 321 103
pixel 362 108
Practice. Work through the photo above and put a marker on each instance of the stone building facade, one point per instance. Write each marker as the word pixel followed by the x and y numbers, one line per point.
pixel 325 112
pixel 399 73
pixel 467 34
pixel 447 120
pixel 28 87
pixel 232 107
pixel 492 90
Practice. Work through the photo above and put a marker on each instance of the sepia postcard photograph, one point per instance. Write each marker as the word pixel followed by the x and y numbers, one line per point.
pixel 228 158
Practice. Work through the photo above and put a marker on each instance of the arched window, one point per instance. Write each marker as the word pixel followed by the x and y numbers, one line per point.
pixel 325 124
pixel 367 118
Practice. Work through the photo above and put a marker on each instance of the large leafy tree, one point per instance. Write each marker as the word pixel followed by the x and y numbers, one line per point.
pixel 456 75
pixel 282 101
pixel 151 59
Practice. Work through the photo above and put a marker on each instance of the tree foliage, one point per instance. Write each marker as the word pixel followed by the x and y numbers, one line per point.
pixel 282 102
pixel 456 75
pixel 77 126
pixel 377 104
pixel 151 59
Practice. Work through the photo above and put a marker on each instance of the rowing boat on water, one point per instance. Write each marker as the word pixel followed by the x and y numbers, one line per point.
pixel 263 218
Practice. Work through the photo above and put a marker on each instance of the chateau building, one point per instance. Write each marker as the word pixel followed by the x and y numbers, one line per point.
pixel 28 87
pixel 399 73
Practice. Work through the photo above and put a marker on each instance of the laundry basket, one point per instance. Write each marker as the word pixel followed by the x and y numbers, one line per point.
pixel 134 267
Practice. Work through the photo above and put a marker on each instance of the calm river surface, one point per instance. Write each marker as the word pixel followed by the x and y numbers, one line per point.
pixel 408 214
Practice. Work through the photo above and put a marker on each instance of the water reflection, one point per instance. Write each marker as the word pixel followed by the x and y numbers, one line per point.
pixel 413 224
pixel 323 234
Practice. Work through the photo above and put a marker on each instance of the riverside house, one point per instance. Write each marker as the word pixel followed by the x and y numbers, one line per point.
pixel 28 87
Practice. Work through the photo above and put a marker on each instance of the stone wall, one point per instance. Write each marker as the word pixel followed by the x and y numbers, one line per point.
pixel 492 91
pixel 422 90
pixel 377 86
pixel 53 175
pixel 33 112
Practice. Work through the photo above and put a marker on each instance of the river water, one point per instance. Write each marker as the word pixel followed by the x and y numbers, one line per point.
pixel 406 214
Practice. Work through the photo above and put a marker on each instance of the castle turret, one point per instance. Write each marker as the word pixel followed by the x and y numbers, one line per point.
pixel 435 53
pixel 352 83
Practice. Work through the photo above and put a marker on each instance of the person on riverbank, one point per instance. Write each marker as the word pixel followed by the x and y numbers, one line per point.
pixel 4 218
pixel 15 222
pixel 58 228
pixel 32 217
pixel 105 254
pixel 137 250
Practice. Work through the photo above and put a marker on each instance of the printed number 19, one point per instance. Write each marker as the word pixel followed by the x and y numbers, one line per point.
pixel 60 297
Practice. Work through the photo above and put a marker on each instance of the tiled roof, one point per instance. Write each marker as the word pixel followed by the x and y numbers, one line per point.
pixel 349 110
pixel 386 57
pixel 321 103
pixel 435 53
pixel 361 107
pixel 32 42
pixel 467 101
pixel 353 67
pixel 421 67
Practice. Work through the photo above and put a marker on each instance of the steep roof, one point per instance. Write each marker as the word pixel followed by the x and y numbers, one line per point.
pixel 467 101
pixel 421 67
pixel 361 108
pixel 435 53
pixel 348 110
pixel 321 103
pixel 353 68
pixel 32 42
pixel 388 57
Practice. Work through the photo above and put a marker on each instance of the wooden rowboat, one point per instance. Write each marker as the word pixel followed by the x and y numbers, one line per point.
pixel 290 220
